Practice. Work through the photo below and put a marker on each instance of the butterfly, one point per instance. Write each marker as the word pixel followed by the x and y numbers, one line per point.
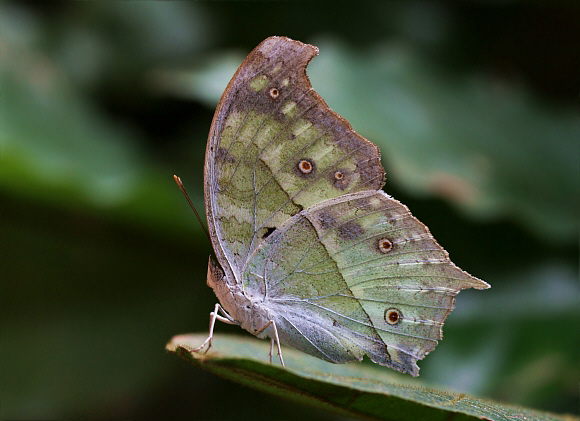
pixel 311 252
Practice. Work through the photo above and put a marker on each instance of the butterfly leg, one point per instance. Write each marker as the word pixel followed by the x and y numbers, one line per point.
pixel 213 316
pixel 276 339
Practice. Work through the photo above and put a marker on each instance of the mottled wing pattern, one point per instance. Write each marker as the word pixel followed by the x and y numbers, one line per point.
pixel 274 149
pixel 358 275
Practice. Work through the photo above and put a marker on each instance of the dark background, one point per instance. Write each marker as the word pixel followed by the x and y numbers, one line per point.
pixel 474 106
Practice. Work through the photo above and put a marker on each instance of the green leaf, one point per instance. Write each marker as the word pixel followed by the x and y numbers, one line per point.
pixel 356 390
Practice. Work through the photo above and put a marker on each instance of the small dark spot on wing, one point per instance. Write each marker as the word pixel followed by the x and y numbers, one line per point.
pixel 305 168
pixel 340 178
pixel 224 155
pixel 326 220
pixel 350 230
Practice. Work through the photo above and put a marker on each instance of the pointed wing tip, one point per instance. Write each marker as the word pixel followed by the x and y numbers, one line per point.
pixel 466 280
pixel 409 366
pixel 476 283
pixel 482 285
pixel 412 369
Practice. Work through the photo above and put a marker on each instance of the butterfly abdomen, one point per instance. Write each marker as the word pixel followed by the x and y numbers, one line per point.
pixel 245 310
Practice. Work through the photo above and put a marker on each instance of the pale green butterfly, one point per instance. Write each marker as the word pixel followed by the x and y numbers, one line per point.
pixel 311 252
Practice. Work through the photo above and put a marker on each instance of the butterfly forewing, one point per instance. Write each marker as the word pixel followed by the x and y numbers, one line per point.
pixel 275 148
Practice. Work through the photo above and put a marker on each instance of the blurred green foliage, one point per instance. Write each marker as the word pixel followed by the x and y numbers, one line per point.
pixel 102 261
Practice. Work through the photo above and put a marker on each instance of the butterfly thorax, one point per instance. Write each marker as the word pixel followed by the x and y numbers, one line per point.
pixel 243 309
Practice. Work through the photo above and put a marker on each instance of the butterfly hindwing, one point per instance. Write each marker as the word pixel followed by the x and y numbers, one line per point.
pixel 362 270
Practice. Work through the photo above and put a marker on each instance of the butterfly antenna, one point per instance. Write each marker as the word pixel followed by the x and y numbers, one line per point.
pixel 182 188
